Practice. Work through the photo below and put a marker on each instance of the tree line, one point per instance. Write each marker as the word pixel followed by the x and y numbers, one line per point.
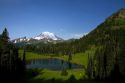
pixel 11 66
pixel 108 62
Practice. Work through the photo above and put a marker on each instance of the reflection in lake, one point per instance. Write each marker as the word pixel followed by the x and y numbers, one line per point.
pixel 53 64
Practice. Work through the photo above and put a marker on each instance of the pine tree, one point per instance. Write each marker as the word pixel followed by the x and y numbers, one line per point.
pixel 10 64
pixel 24 57
pixel 5 35
pixel 90 67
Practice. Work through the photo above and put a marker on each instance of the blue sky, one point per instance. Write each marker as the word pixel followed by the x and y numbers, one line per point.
pixel 65 18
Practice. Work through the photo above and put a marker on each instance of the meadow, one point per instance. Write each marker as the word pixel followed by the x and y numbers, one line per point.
pixel 46 74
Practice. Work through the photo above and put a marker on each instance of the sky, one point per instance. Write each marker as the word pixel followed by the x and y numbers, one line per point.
pixel 65 18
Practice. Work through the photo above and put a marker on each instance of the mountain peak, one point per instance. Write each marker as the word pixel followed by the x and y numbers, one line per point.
pixel 47 35
pixel 46 32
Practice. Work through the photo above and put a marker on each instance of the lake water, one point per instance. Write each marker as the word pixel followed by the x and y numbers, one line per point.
pixel 53 64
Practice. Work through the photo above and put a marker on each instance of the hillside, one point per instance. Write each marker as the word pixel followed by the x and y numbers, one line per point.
pixel 108 40
pixel 115 22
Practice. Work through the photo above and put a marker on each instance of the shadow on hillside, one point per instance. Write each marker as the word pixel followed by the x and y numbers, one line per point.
pixel 32 73
pixel 70 80
pixel 12 78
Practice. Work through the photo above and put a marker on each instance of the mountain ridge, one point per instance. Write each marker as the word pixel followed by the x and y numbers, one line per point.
pixel 43 37
pixel 47 35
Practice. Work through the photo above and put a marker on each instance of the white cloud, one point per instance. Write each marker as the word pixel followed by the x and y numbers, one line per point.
pixel 79 35
pixel 85 33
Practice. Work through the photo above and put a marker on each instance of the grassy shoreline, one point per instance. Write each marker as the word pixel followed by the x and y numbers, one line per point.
pixel 46 74
pixel 78 58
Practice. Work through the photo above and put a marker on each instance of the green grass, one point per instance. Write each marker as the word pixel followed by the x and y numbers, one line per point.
pixel 31 55
pixel 78 58
pixel 49 74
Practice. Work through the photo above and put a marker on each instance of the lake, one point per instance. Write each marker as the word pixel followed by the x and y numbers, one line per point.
pixel 53 64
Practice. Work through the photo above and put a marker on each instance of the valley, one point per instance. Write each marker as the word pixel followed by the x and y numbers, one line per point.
pixel 95 57
pixel 100 52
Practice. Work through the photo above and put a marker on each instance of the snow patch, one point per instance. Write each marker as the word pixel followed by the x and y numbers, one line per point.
pixel 46 35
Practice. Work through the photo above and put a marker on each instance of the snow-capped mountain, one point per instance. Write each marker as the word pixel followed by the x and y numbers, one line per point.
pixel 22 39
pixel 47 36
pixel 43 37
